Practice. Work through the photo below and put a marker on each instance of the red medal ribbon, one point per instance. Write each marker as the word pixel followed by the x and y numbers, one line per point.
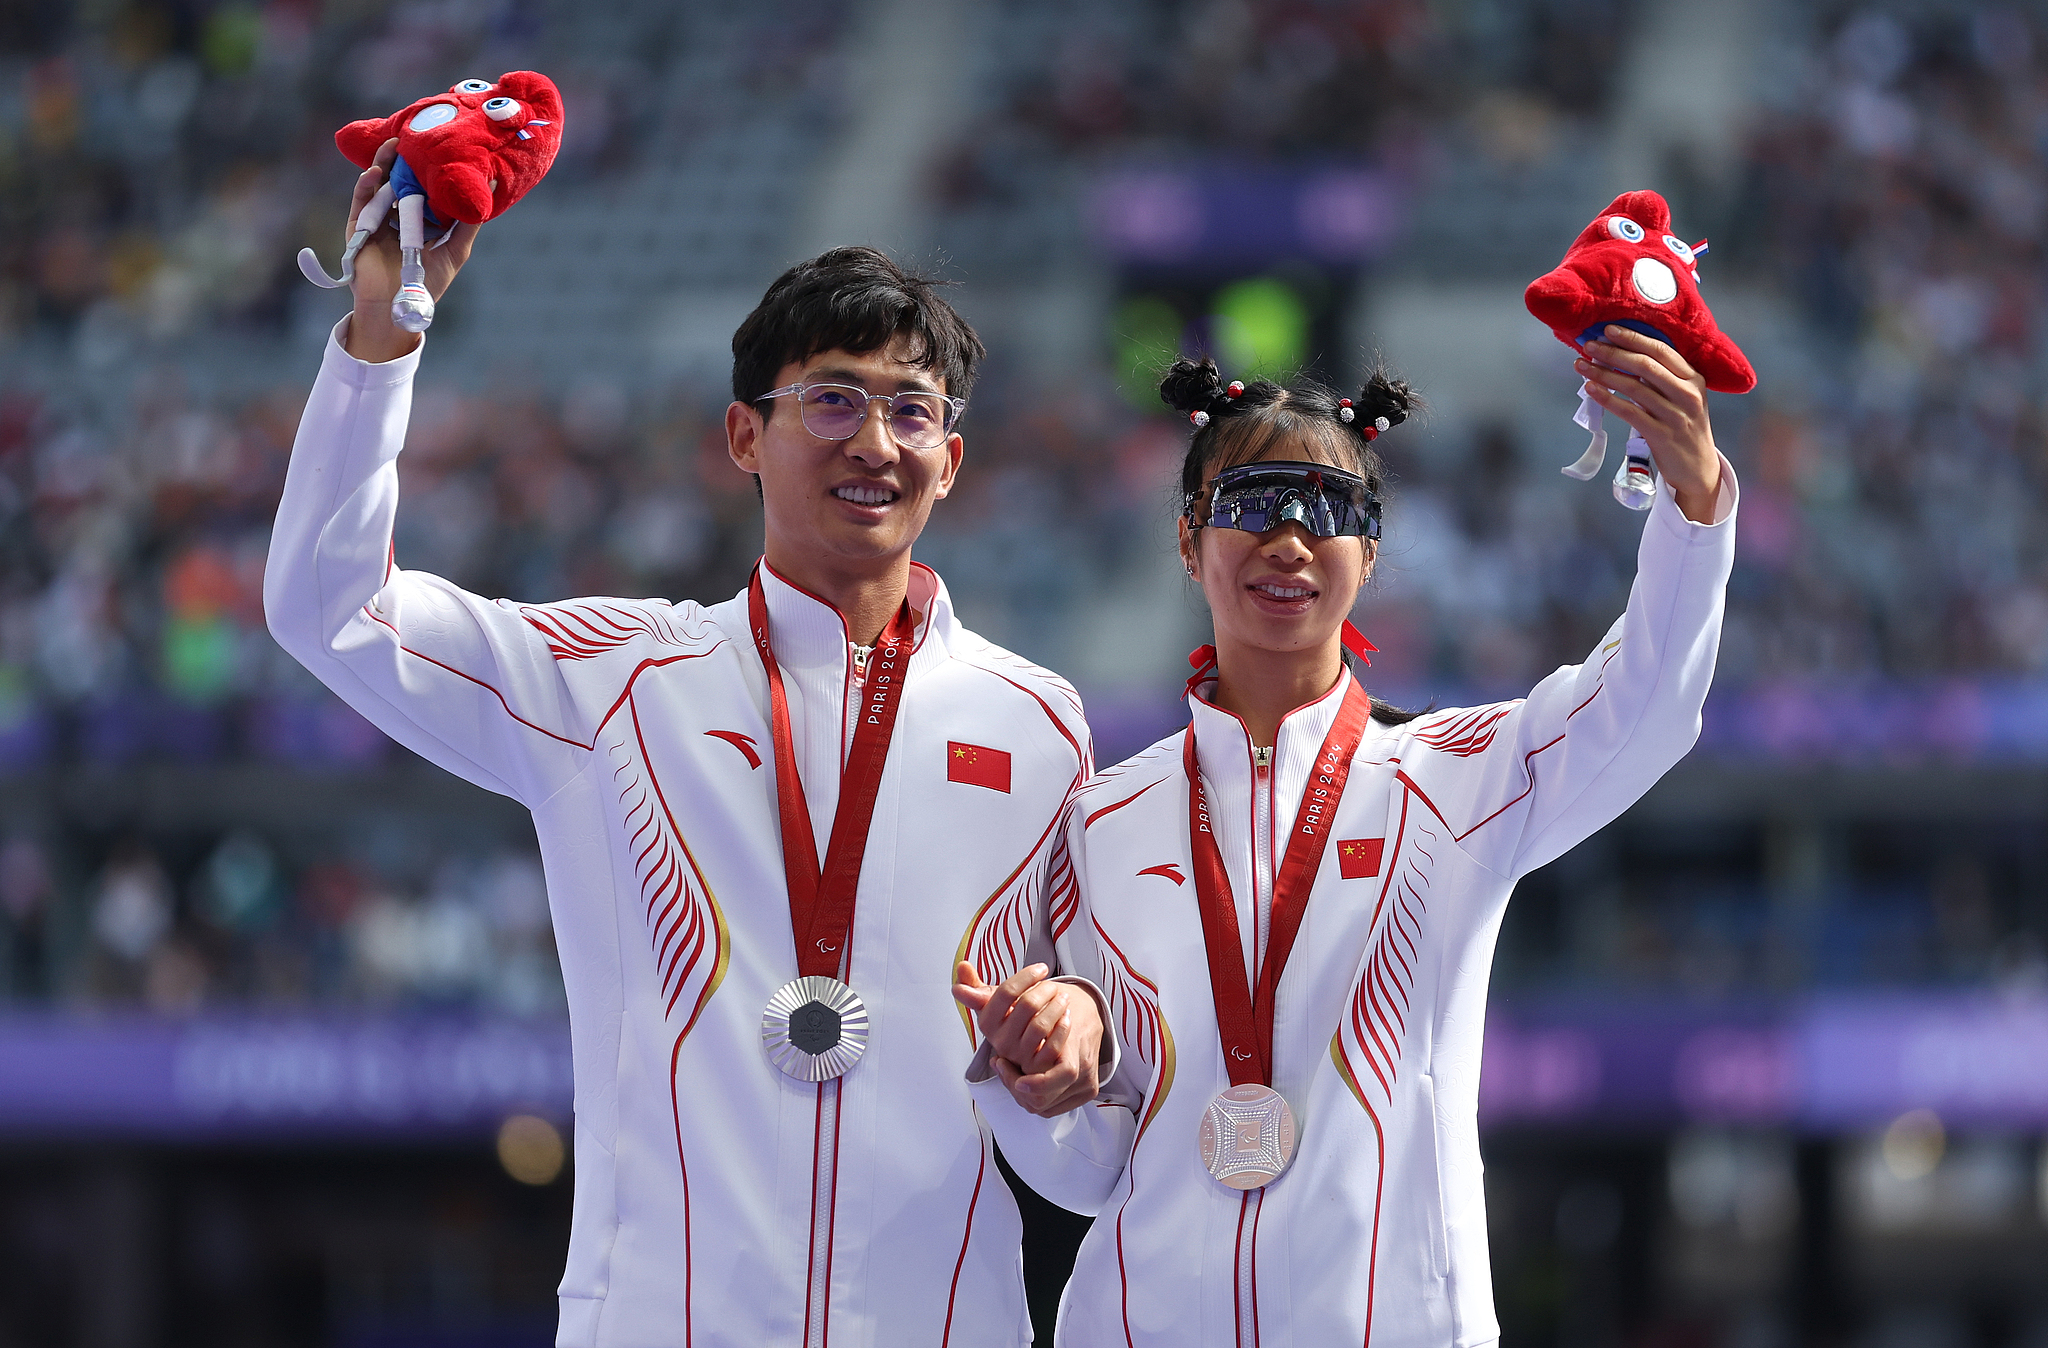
pixel 1243 1022
pixel 821 900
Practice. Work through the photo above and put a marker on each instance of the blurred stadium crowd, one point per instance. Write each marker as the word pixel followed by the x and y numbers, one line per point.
pixel 1894 522
pixel 244 929
pixel 160 163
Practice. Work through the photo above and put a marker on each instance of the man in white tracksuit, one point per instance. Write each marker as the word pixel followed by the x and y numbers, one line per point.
pixel 1376 1232
pixel 749 1170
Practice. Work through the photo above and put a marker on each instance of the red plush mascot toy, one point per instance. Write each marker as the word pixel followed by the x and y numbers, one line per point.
pixel 1627 268
pixel 463 158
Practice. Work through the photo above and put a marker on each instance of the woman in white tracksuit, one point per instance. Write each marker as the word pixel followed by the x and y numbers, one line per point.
pixel 1294 916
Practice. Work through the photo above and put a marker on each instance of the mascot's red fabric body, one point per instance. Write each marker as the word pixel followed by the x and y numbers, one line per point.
pixel 491 145
pixel 1628 268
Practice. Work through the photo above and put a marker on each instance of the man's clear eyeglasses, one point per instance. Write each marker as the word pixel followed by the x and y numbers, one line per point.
pixel 838 411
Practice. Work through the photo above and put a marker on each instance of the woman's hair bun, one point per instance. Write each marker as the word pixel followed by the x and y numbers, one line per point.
pixel 1191 386
pixel 1385 396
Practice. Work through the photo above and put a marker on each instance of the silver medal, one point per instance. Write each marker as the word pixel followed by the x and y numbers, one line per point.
pixel 814 1028
pixel 1247 1136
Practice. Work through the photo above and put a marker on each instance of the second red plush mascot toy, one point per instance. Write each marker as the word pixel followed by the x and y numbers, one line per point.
pixel 1627 268
pixel 463 158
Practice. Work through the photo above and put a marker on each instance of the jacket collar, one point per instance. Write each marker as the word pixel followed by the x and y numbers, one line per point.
pixel 1223 744
pixel 810 635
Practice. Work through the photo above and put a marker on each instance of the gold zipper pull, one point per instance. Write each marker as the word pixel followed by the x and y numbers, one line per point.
pixel 860 659
pixel 1262 758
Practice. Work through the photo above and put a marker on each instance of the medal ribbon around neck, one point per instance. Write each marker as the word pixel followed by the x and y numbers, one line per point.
pixel 1244 1023
pixel 821 900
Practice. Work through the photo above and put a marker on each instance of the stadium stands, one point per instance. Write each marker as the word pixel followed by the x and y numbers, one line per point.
pixel 1877 241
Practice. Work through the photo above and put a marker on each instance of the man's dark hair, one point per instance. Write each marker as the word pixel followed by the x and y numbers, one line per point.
pixel 855 300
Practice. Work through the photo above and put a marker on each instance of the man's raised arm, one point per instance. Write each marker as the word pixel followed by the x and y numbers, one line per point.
pixel 463 681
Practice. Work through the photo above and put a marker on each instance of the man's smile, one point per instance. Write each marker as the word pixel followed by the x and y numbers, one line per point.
pixel 866 493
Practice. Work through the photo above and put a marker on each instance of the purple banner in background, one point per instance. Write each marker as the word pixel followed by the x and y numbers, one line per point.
pixel 1780 722
pixel 1834 1063
pixel 1635 1064
pixel 1976 1061
pixel 1228 215
pixel 138 1075
pixel 1954 720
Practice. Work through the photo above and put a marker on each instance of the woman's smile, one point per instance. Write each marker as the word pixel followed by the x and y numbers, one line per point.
pixel 1283 598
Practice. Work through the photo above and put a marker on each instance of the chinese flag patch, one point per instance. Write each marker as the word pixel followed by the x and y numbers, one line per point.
pixel 1359 858
pixel 978 766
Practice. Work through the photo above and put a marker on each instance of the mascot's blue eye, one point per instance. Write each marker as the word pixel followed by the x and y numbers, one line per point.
pixel 498 109
pixel 1621 227
pixel 1680 247
pixel 473 86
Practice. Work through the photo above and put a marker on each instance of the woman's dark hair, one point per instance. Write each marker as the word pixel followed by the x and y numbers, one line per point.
pixel 1266 416
pixel 857 300
pixel 1285 421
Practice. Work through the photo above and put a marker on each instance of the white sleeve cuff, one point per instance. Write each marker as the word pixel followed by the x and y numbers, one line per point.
pixel 1666 504
pixel 338 362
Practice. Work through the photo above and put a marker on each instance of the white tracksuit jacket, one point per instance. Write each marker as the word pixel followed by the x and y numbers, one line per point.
pixel 1377 1234
pixel 717 1201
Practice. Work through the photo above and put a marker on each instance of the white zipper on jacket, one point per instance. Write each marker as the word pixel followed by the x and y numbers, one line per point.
pixel 824 1169
pixel 1247 1276
pixel 1262 855
pixel 1262 909
pixel 825 1147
